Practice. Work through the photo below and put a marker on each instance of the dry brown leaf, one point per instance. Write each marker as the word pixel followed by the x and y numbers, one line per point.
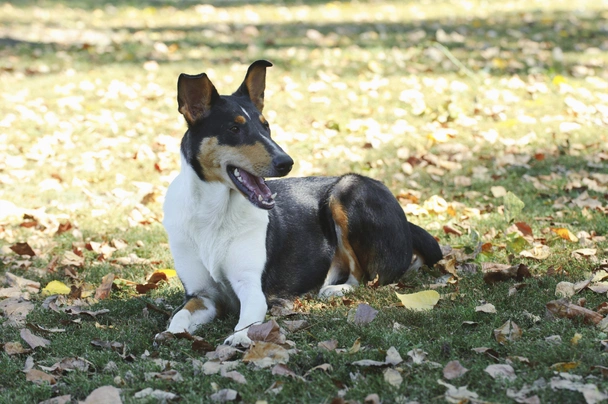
pixel 225 395
pixel 453 370
pixel 364 314
pixel 234 375
pixel 486 308
pixel 326 367
pixel 563 308
pixel 15 348
pixel 525 229
pixel 487 351
pixel 538 252
pixel 16 310
pixel 329 345
pixel 267 332
pixel 508 332
pixel 39 377
pixel 501 371
pixel 71 259
pixel 23 249
pixel 32 340
pixel 295 325
pixel 392 377
pixel 282 370
pixel 103 291
pixel 393 357
pixel 171 375
pixel 457 394
pixel 265 354
pixel 22 283
pixel 493 272
pixel 565 366
pixel 104 395
pixel 356 346
pixel 450 230
pixel 65 399
pixel 565 289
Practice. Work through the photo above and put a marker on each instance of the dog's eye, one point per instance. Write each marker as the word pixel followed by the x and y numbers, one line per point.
pixel 235 129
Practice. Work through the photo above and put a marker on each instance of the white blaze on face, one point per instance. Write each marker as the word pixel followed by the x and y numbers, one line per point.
pixel 245 112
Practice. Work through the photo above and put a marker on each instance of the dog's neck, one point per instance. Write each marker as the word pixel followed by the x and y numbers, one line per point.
pixel 213 202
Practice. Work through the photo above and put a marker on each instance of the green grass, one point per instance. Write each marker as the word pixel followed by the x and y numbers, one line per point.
pixel 89 130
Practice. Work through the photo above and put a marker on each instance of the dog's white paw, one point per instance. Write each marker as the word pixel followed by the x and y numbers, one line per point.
pixel 163 337
pixel 239 338
pixel 335 290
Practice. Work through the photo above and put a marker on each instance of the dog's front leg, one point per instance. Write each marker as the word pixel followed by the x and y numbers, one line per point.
pixel 253 307
pixel 244 267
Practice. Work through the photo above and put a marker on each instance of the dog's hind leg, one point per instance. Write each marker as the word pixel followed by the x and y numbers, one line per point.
pixel 373 235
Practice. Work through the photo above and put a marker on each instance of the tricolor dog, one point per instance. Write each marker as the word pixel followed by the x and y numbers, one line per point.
pixel 237 239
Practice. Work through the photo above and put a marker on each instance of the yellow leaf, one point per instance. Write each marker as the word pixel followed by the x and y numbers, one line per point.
pixel 420 301
pixel 56 288
pixel 564 366
pixel 557 80
pixel 577 337
pixel 169 272
pixel 565 234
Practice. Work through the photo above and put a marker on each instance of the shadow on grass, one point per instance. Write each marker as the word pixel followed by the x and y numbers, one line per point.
pixel 501 44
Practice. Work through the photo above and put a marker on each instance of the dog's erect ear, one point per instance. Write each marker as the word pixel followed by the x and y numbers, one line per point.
pixel 195 96
pixel 255 82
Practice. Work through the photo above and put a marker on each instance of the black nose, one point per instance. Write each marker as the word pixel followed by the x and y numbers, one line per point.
pixel 282 164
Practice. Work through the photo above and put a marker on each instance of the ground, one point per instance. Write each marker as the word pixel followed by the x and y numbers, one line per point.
pixel 486 119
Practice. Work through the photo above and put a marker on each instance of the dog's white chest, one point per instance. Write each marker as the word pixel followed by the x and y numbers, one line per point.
pixel 218 226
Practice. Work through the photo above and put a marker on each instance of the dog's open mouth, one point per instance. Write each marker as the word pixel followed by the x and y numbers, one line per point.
pixel 253 187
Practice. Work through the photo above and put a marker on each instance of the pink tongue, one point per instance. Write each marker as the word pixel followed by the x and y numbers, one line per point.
pixel 256 185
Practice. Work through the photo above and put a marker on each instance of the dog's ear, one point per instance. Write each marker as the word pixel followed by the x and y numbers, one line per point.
pixel 195 96
pixel 255 82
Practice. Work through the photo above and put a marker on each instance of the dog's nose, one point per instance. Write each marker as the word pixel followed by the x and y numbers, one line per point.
pixel 282 164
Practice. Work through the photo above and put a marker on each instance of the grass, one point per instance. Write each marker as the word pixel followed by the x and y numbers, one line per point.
pixel 89 132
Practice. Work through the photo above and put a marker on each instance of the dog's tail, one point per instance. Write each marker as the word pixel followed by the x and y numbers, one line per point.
pixel 426 249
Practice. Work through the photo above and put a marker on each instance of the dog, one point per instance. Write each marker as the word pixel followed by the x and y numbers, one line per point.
pixel 237 240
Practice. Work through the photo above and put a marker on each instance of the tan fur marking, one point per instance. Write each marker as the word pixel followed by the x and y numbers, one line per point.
pixel 262 119
pixel 345 255
pixel 240 119
pixel 195 304
pixel 214 158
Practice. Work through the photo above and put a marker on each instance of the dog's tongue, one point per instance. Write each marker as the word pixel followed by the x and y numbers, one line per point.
pixel 260 193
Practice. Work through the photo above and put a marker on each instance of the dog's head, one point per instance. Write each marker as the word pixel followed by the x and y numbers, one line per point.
pixel 228 138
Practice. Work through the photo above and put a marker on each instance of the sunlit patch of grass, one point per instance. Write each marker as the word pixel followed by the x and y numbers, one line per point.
pixel 89 131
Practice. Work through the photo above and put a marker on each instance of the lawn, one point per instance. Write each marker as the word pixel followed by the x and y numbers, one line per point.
pixel 487 119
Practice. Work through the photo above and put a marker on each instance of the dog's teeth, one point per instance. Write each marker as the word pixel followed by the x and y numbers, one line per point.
pixel 236 172
pixel 260 198
pixel 273 195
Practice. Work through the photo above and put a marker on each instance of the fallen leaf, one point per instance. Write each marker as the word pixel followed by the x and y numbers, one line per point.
pixel 393 357
pixel 565 289
pixel 158 395
pixel 56 288
pixel 329 345
pixel 501 371
pixel 538 252
pixel 356 347
pixel 282 370
pixel 508 332
pixel 457 395
pixel 453 370
pixel 267 332
pixel 565 234
pixel 235 376
pixel 15 348
pixel 420 301
pixel 392 377
pixel 513 206
pixel 16 310
pixel 39 377
pixel 487 351
pixel 295 325
pixel 170 375
pixel 225 395
pixel 265 354
pixel 104 395
pixel 32 340
pixel 23 249
pixel 486 308
pixel 565 366
pixel 65 399
pixel 498 191
pixel 563 308
pixel 326 367
pixel 103 291
pixel 364 314
pixel 21 283
pixel 493 272
pixel 72 259
pixel 584 253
